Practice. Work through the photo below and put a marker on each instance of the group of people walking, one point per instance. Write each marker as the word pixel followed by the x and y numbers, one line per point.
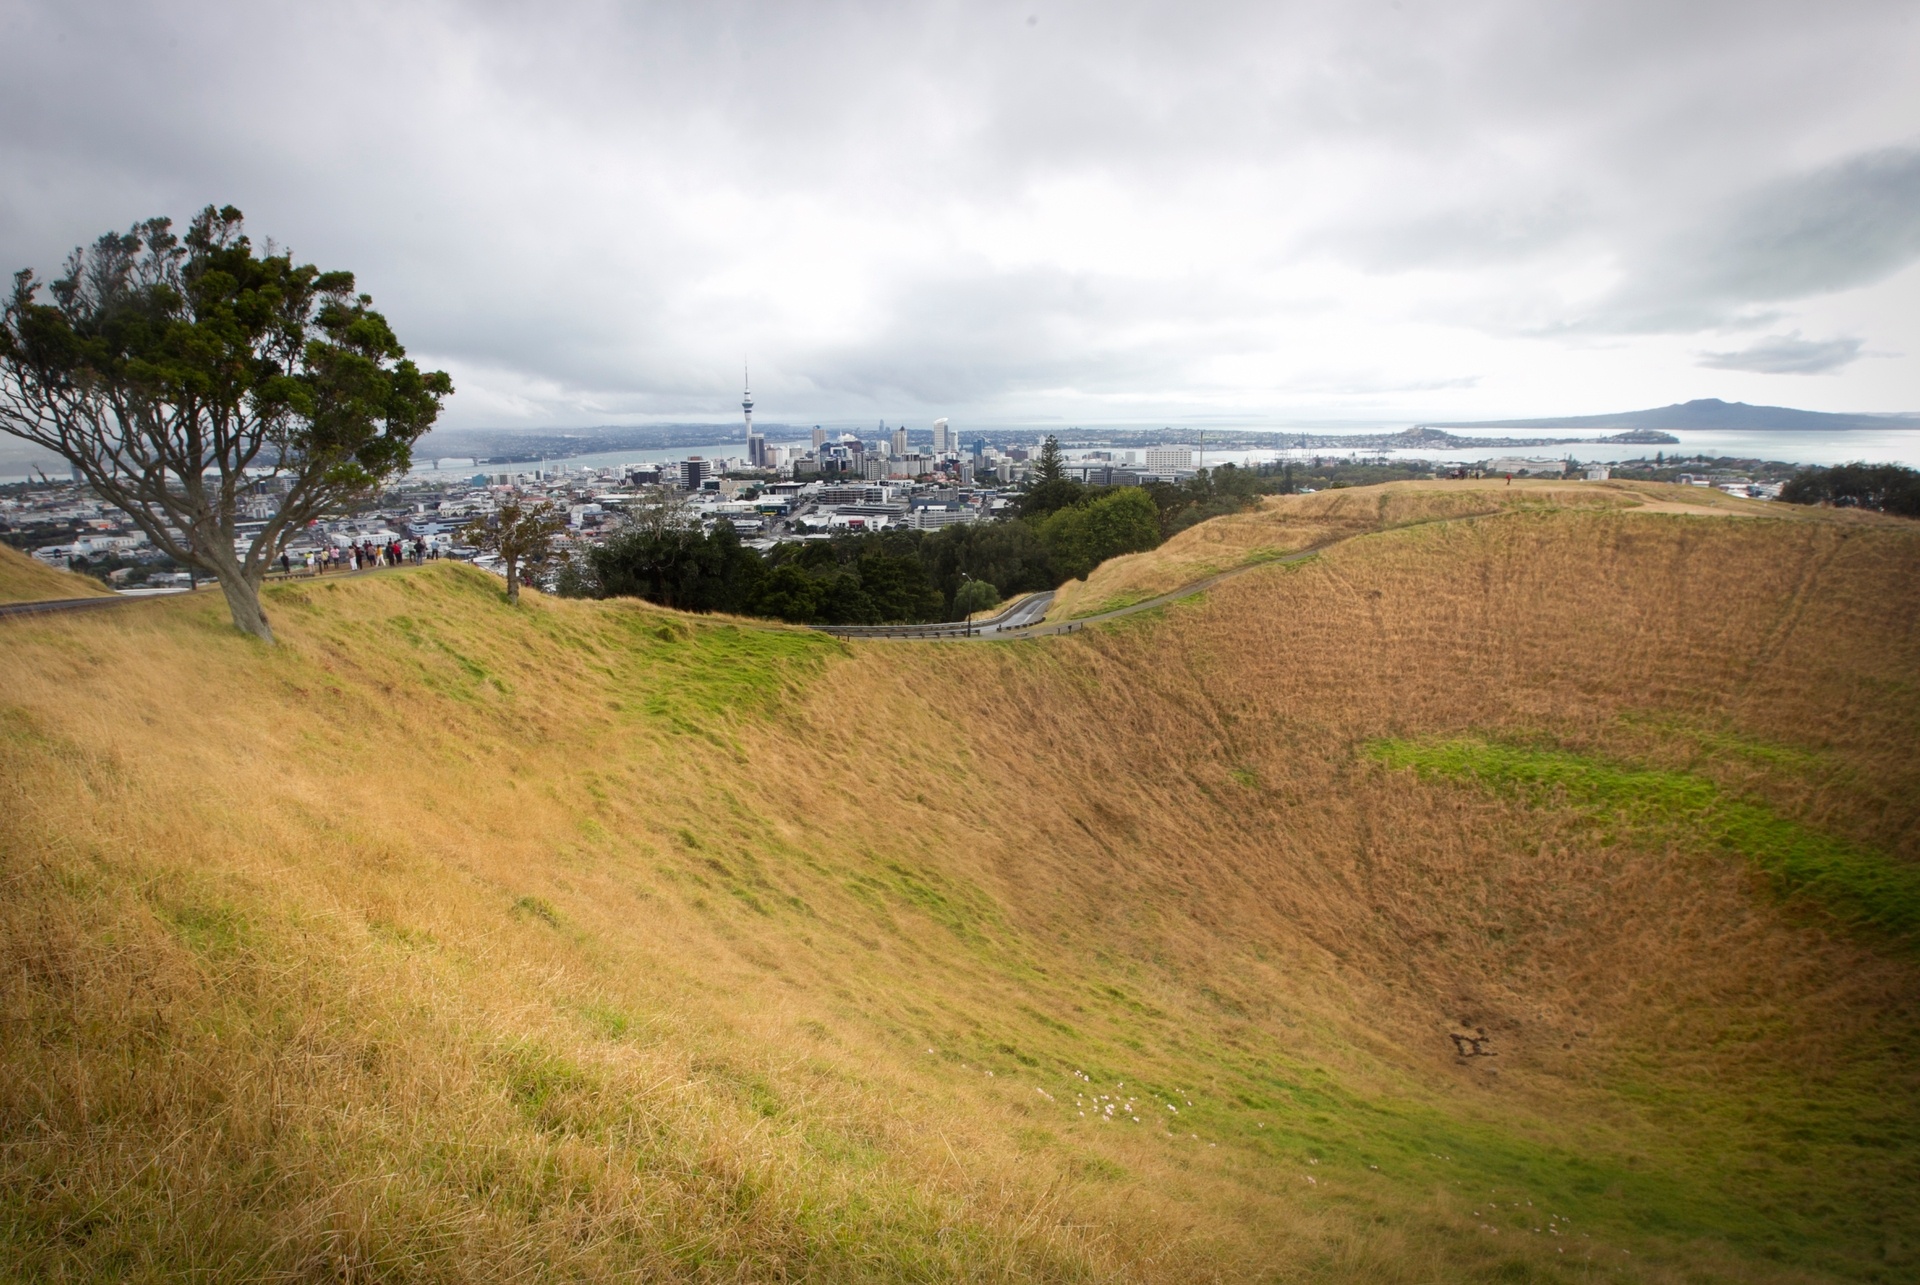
pixel 363 556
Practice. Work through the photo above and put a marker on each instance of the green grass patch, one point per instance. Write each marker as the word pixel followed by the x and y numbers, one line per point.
pixel 538 908
pixel 724 669
pixel 1857 885
pixel 1731 745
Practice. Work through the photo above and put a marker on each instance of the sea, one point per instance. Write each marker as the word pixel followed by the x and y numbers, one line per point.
pixel 1873 446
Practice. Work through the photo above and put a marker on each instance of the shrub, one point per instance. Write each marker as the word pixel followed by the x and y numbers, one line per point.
pixel 1124 520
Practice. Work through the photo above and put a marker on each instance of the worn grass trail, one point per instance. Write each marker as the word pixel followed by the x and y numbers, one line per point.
pixel 447 941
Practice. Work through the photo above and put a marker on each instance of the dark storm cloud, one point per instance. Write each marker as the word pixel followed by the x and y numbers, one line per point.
pixel 1788 355
pixel 592 211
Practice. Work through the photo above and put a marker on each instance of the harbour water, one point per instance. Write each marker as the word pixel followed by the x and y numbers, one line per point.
pixel 1873 446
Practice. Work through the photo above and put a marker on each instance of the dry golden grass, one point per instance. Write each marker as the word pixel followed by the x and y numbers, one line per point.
pixel 451 942
pixel 1289 523
pixel 25 579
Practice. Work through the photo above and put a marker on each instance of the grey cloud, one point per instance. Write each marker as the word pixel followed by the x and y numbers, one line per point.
pixel 591 206
pixel 1852 223
pixel 1788 355
pixel 1462 237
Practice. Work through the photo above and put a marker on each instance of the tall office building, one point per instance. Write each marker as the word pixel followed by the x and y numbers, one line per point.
pixel 942 437
pixel 900 440
pixel 819 437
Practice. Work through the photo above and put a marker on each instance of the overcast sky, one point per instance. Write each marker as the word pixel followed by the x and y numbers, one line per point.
pixel 1376 210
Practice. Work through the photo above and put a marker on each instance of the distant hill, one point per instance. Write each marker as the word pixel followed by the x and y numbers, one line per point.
pixel 1706 413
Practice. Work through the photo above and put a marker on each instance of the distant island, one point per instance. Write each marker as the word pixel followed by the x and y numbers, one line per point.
pixel 1704 413
pixel 1434 437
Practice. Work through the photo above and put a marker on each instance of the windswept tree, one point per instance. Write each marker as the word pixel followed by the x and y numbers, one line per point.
pixel 179 374
pixel 659 510
pixel 522 534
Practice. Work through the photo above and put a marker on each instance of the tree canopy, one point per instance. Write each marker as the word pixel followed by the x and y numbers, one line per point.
pixel 522 534
pixel 1887 487
pixel 177 374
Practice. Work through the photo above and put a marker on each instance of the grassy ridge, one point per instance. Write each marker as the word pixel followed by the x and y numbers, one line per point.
pixel 25 579
pixel 1285 524
pixel 1860 886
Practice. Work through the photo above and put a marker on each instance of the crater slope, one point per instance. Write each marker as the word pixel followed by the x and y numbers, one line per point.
pixel 1528 894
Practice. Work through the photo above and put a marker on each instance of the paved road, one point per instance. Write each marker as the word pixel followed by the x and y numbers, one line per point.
pixel 1028 611
pixel 1017 617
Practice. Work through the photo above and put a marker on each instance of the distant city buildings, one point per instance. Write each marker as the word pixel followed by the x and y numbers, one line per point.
pixel 1520 467
pixel 832 484
pixel 691 471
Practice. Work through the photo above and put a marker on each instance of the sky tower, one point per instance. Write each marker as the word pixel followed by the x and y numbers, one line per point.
pixel 756 444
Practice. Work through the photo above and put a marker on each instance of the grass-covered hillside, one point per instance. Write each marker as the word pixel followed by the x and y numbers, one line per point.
pixel 1286 524
pixel 1531 895
pixel 24 579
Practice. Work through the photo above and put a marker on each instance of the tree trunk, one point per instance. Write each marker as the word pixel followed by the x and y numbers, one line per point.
pixel 513 581
pixel 243 595
pixel 243 601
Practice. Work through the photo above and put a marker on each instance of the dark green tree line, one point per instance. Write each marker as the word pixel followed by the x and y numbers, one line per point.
pixel 883 577
pixel 1886 487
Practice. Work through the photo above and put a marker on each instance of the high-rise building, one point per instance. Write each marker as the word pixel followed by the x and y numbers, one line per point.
pixel 819 437
pixel 900 440
pixel 1169 459
pixel 942 437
